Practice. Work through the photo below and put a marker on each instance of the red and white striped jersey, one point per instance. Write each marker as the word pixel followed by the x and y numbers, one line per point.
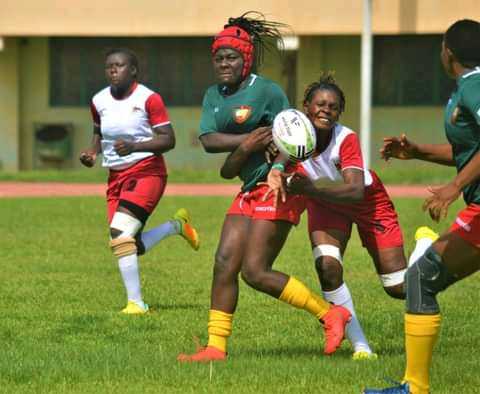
pixel 130 119
pixel 342 152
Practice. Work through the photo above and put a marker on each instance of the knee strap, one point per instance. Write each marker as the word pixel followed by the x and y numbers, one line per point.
pixel 393 278
pixel 424 280
pixel 128 225
pixel 123 246
pixel 327 250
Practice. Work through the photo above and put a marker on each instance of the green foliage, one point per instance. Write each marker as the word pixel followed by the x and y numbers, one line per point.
pixel 61 331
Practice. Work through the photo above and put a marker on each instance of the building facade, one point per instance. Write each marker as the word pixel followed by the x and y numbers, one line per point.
pixel 51 62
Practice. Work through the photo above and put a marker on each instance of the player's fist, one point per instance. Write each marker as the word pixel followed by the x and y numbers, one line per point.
pixel 398 148
pixel 88 158
pixel 123 148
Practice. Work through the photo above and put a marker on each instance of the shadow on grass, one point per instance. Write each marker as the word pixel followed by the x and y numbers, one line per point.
pixel 293 351
pixel 174 307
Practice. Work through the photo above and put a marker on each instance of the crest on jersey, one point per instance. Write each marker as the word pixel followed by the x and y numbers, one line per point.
pixel 241 113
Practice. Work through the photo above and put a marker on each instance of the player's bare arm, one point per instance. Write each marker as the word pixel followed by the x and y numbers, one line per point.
pixel 257 140
pixel 162 141
pixel 219 142
pixel 351 191
pixel 89 156
pixel 404 149
pixel 437 204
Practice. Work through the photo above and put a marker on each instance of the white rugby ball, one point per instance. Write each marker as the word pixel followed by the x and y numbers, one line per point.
pixel 294 134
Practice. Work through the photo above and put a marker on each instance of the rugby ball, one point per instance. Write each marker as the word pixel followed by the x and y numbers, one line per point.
pixel 294 134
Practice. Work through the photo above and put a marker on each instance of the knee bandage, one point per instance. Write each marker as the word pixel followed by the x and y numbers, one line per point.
pixel 327 250
pixel 124 244
pixel 424 280
pixel 393 278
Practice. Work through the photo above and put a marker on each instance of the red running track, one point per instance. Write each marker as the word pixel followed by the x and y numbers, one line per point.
pixel 54 189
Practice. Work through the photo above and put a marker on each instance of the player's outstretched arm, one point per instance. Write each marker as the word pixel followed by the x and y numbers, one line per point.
pixel 88 157
pixel 404 149
pixel 255 141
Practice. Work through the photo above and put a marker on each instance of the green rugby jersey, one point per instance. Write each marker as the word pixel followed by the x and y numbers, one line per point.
pixel 462 126
pixel 252 106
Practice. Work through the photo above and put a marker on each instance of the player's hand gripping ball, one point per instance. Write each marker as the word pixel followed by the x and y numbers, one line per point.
pixel 294 134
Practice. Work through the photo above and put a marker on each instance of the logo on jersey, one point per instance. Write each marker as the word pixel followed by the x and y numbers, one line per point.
pixel 241 113
pixel 136 109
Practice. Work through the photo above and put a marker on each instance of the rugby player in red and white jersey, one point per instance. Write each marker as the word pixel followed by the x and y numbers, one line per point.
pixel 132 130
pixel 342 192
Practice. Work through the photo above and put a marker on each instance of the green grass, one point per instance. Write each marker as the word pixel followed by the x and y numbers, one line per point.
pixel 394 172
pixel 99 175
pixel 61 331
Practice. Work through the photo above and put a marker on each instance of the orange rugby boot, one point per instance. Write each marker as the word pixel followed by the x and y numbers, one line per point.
pixel 203 355
pixel 334 323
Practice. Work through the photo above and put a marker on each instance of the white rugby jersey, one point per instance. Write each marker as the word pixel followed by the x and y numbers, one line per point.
pixel 130 119
pixel 342 152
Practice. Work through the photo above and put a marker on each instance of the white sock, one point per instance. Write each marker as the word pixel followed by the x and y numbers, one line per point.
pixel 131 278
pixel 420 247
pixel 152 237
pixel 354 332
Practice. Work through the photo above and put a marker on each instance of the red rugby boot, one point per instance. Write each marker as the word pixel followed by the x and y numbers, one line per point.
pixel 203 355
pixel 334 323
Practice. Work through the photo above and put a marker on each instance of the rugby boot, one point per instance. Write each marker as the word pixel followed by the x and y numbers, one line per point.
pixel 203 355
pixel 334 323
pixel 400 389
pixel 363 355
pixel 187 231
pixel 133 308
pixel 425 232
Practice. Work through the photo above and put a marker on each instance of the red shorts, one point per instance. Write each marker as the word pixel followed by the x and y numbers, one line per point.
pixel 142 184
pixel 375 217
pixel 467 224
pixel 250 204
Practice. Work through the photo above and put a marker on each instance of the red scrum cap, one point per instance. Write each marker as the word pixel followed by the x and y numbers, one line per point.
pixel 236 38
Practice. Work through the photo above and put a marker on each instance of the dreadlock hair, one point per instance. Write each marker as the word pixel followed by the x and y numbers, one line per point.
pixel 325 82
pixel 131 56
pixel 463 39
pixel 265 34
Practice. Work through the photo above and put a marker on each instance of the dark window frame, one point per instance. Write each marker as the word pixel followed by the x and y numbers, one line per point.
pixel 407 71
pixel 179 68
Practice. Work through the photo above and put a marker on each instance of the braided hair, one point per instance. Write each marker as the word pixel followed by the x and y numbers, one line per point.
pixel 326 81
pixel 264 34
pixel 463 40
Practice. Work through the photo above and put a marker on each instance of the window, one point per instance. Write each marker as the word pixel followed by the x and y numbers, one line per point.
pixel 407 71
pixel 178 68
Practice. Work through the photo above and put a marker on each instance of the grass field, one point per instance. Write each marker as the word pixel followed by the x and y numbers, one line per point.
pixel 61 331
pixel 394 172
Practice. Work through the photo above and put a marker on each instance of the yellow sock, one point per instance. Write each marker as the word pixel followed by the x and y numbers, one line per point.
pixel 219 329
pixel 421 333
pixel 297 294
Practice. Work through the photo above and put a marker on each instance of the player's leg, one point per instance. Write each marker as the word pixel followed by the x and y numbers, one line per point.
pixel 224 293
pixel 123 228
pixel 380 232
pixel 328 248
pixel 138 196
pixel 265 240
pixel 452 257
pixel 180 224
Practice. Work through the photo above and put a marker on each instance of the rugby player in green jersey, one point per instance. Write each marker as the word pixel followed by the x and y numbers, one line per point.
pixel 236 116
pixel 456 254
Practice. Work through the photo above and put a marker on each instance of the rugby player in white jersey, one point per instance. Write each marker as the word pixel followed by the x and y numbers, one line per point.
pixel 131 130
pixel 340 192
